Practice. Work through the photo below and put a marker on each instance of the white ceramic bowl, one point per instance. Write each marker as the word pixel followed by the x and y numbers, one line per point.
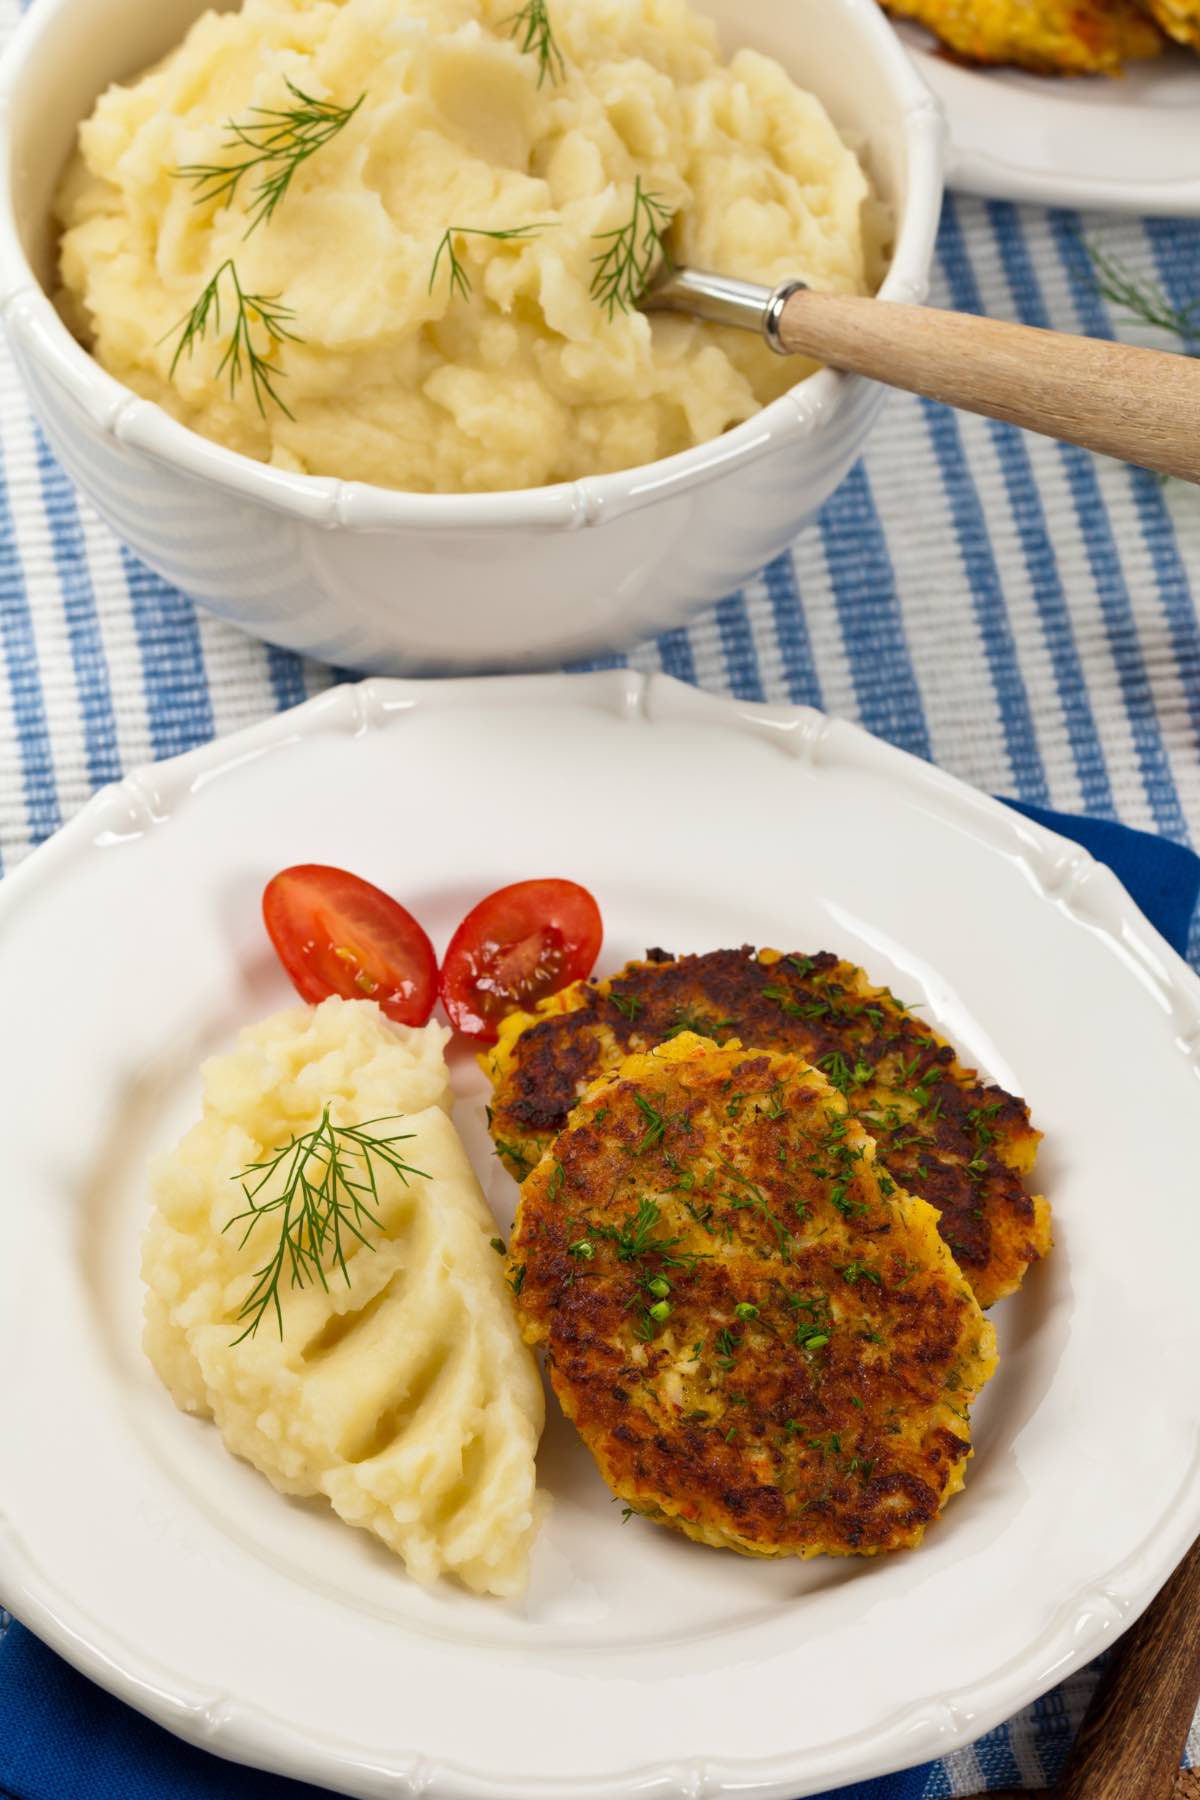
pixel 380 580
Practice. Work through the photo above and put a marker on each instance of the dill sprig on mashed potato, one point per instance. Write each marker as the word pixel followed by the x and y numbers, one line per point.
pixel 635 250
pixel 241 355
pixel 460 281
pixel 525 379
pixel 402 1396
pixel 279 140
pixel 327 1191
pixel 532 25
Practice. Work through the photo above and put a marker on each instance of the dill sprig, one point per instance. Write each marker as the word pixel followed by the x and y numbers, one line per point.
pixel 278 140
pixel 326 1192
pixel 240 357
pixel 624 270
pixel 1145 301
pixel 460 281
pixel 532 25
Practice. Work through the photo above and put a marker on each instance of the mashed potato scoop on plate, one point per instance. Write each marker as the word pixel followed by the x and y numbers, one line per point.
pixel 393 1383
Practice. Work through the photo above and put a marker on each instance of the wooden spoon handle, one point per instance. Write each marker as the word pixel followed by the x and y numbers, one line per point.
pixel 1132 1738
pixel 1140 405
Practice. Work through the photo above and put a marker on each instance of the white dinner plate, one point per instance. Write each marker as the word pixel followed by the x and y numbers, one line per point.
pixel 1127 145
pixel 639 1664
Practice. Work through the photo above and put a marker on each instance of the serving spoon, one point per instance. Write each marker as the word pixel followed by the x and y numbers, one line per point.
pixel 1142 406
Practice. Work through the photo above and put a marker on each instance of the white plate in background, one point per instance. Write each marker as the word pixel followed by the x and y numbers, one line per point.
pixel 640 1664
pixel 1126 145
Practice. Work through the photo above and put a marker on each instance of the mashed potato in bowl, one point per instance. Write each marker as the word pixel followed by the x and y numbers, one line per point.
pixel 516 375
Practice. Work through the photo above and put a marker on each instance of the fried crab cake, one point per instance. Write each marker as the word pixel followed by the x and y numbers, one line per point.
pixel 942 1131
pixel 761 1337
pixel 1180 19
pixel 1054 37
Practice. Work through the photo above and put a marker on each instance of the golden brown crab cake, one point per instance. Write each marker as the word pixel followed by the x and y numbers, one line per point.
pixel 1180 19
pixel 1053 37
pixel 943 1132
pixel 761 1337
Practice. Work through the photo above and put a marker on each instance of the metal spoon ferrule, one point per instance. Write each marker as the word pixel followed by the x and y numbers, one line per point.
pixel 722 300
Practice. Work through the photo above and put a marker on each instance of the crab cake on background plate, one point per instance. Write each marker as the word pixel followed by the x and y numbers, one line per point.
pixel 761 1337
pixel 1054 37
pixel 942 1131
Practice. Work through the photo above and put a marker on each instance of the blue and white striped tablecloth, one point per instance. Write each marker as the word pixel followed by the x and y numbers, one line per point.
pixel 1019 612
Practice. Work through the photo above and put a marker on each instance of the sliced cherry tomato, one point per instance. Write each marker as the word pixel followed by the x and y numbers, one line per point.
pixel 520 944
pixel 336 934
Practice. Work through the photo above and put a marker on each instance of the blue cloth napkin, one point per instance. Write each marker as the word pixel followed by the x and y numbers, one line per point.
pixel 62 1738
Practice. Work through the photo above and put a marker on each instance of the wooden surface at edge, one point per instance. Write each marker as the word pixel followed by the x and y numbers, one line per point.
pixel 1132 1739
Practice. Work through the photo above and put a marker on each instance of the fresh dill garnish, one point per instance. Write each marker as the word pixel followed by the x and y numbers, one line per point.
pixel 753 1198
pixel 836 1070
pixel 240 356
pixel 685 1179
pixel 635 1238
pixel 656 1126
pixel 532 25
pixel 327 1192
pixel 624 270
pixel 686 1020
pixel 516 1280
pixel 460 281
pixel 512 1153
pixel 977 1118
pixel 499 1246
pixel 856 1271
pixel 628 1005
pixel 1145 301
pixel 278 140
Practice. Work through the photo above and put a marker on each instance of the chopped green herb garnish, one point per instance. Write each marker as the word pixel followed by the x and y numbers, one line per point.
pixel 811 1337
pixel 656 1127
pixel 512 1153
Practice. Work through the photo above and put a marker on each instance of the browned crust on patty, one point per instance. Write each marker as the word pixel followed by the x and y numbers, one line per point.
pixel 942 1131
pixel 762 1339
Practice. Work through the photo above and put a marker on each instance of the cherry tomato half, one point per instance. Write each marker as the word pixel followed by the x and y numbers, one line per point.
pixel 336 934
pixel 520 944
